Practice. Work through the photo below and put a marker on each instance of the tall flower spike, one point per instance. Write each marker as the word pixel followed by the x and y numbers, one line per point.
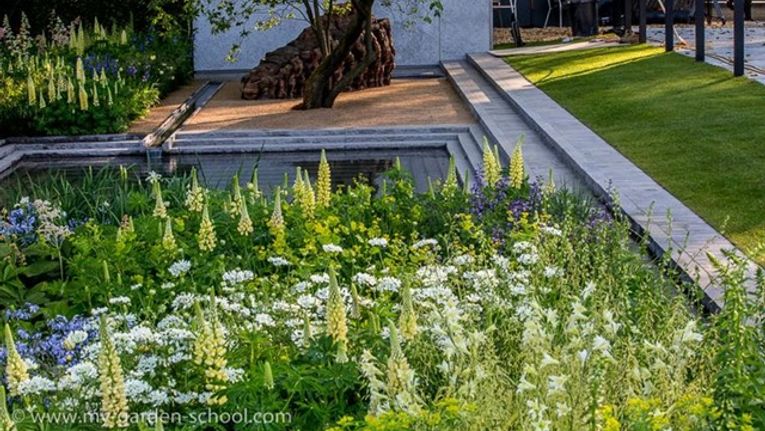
pixel 549 188
pixel 235 206
pixel 298 187
pixel 206 237
pixel 491 169
pixel 517 170
pixel 160 209
pixel 307 331
pixel 254 187
pixel 16 370
pixel 245 222
pixel 83 96
pixel 324 182
pixel 276 223
pixel 337 327
pixel 195 197
pixel 400 377
pixel 96 101
pixel 308 201
pixel 210 352
pixel 6 423
pixel 69 91
pixel 168 239
pixel 80 70
pixel 268 376
pixel 450 184
pixel 114 405
pixel 123 38
pixel 31 91
pixel 408 319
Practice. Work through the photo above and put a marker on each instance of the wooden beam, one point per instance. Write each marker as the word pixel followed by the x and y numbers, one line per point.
pixel 700 35
pixel 738 38
pixel 669 25
pixel 643 32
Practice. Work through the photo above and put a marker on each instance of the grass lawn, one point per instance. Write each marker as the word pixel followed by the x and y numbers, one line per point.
pixel 693 127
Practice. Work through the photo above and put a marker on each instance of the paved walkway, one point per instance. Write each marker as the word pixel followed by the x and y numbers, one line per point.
pixel 686 236
pixel 719 46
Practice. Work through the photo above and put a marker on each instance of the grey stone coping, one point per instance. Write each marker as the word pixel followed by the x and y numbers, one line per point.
pixel 561 47
pixel 503 126
pixel 686 236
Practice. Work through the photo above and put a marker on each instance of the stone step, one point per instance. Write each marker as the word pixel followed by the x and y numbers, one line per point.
pixel 65 146
pixel 256 147
pixel 317 141
pixel 504 126
pixel 83 152
pixel 8 163
pixel 195 135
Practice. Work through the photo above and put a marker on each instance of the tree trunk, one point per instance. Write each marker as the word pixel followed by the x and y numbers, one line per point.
pixel 321 90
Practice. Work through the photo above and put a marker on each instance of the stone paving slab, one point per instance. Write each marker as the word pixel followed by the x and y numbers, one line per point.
pixel 719 46
pixel 686 236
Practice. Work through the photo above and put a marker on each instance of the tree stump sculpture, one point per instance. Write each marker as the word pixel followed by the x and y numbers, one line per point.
pixel 282 73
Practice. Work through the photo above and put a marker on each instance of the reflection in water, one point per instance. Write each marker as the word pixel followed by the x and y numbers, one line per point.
pixel 216 170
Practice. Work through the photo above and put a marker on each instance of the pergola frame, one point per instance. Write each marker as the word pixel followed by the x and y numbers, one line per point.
pixel 669 30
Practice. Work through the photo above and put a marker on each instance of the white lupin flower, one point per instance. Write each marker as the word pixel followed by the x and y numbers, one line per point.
pixel 179 268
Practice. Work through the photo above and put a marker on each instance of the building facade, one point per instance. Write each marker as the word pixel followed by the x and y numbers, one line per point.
pixel 465 26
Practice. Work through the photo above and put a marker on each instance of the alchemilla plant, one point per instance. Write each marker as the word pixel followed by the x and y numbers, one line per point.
pixel 152 303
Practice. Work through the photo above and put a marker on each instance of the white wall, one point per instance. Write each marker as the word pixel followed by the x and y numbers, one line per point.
pixel 464 27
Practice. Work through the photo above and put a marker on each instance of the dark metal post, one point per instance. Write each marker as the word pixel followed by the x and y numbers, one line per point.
pixel 669 25
pixel 700 36
pixel 643 32
pixel 738 38
pixel 627 17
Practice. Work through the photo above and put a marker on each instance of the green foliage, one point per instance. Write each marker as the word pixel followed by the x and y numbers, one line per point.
pixel 533 309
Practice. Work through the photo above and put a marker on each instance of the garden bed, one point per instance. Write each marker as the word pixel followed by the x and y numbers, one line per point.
pixel 512 307
pixel 81 78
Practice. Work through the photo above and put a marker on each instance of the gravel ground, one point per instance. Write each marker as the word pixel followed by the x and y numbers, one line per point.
pixel 405 102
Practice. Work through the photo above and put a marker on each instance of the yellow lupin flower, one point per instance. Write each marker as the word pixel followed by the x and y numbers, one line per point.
pixel 6 423
pixel 324 182
pixel 79 70
pixel 337 326
pixel 210 352
pixel 408 319
pixel 491 168
pixel 308 199
pixel 245 226
pixel 16 370
pixel 83 96
pixel 517 170
pixel 31 91
pixel 96 101
pixel 298 188
pixel 549 188
pixel 114 405
pixel 69 91
pixel 206 237
pixel 195 197
pixel 276 223
pixel 52 93
pixel 123 38
pixel 41 99
pixel 168 239
pixel 160 209
pixel 233 207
